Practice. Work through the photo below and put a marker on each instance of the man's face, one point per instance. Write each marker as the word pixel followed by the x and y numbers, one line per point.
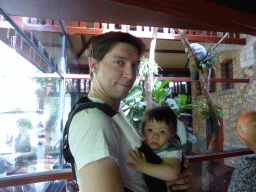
pixel 116 72
pixel 157 134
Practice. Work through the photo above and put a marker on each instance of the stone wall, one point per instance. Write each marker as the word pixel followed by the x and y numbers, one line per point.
pixel 233 101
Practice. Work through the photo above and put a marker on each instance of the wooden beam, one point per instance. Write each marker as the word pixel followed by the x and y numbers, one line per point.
pixel 174 79
pixel 174 69
pixel 171 37
pixel 219 16
pixel 69 30
pixel 167 51
pixel 67 173
pixel 86 45
pixel 36 178
pixel 83 40
pixel 186 66
pixel 214 39
pixel 219 155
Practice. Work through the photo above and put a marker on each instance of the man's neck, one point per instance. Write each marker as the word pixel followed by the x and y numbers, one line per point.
pixel 113 103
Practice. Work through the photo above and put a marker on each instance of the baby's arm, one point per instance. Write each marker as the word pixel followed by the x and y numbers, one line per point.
pixel 168 170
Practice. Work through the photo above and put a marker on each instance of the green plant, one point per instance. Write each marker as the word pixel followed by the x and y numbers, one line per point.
pixel 145 65
pixel 134 105
pixel 180 104
pixel 205 113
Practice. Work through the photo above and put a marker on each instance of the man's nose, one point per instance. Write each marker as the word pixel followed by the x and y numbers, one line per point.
pixel 128 71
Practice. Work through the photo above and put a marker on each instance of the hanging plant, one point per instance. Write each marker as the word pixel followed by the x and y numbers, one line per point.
pixel 145 65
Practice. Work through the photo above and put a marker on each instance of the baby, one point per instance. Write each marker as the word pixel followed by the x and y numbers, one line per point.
pixel 159 126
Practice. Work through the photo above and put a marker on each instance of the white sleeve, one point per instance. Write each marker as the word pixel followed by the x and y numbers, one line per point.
pixel 93 136
pixel 171 154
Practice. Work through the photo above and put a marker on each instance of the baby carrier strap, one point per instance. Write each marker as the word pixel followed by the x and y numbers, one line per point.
pixel 154 184
pixel 81 104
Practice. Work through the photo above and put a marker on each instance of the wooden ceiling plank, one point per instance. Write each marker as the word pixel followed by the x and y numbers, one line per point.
pixel 74 23
pixel 56 22
pixel 167 51
pixel 83 40
pixel 214 33
pixel 208 14
pixel 231 35
pixel 96 25
pixel 82 24
pixel 84 31
pixel 214 39
pixel 84 48
pixel 48 21
pixel 186 66
pixel 92 31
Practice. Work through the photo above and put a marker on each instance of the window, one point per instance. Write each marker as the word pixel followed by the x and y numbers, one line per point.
pixel 32 103
pixel 227 73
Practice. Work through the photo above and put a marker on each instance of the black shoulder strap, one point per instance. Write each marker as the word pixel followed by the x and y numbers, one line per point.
pixel 81 104
pixel 154 184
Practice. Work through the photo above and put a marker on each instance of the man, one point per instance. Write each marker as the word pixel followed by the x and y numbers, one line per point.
pixel 101 144
pixel 244 176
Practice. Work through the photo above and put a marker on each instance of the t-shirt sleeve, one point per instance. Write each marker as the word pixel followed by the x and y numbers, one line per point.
pixel 171 154
pixel 93 136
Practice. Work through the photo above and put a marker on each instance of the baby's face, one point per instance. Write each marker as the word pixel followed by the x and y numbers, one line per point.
pixel 157 134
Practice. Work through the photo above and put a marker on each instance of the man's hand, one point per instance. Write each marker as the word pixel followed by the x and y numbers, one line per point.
pixel 139 161
pixel 186 180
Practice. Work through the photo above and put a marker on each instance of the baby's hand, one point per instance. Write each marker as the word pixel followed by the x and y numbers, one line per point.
pixel 139 161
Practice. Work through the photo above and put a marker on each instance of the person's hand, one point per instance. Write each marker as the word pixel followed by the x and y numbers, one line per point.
pixel 186 180
pixel 139 161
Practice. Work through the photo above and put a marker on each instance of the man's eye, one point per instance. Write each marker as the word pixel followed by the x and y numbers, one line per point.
pixel 150 130
pixel 119 62
pixel 163 132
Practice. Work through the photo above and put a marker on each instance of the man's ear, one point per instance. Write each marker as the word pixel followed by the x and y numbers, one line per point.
pixel 93 64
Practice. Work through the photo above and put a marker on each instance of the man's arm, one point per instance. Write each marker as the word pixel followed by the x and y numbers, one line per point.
pixel 169 170
pixel 101 175
pixel 186 180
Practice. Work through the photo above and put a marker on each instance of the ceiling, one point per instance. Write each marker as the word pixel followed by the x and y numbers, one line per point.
pixel 235 16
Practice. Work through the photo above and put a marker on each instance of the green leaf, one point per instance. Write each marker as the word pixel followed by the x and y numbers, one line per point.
pixel 183 98
pixel 190 106
pixel 163 83
pixel 135 91
pixel 138 115
pixel 172 103
pixel 130 114
pixel 192 65
pixel 140 105
pixel 161 94
pixel 157 85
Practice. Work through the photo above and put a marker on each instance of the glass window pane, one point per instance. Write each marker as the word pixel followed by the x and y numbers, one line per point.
pixel 31 106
